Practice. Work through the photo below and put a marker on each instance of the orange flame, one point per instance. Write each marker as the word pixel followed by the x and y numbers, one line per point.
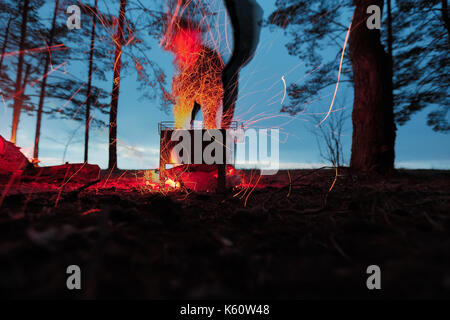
pixel 199 77
pixel 172 184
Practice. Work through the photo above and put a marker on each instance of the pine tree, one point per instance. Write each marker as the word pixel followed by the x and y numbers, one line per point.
pixel 18 85
pixel 118 42
pixel 44 83
pixel 89 86
pixel 422 62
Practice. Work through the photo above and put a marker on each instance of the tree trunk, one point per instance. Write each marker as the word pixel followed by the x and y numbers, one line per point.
pixel 5 42
pixel 373 115
pixel 18 87
pixel 390 42
pixel 89 87
pixel 118 40
pixel 43 86
pixel 390 39
pixel 25 79
pixel 24 83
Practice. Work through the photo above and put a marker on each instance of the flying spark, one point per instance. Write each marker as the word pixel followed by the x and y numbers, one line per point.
pixel 284 94
pixel 339 74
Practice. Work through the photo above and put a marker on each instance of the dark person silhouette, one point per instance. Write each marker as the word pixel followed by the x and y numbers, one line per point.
pixel 246 19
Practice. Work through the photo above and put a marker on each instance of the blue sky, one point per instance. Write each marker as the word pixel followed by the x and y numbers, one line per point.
pixel 261 92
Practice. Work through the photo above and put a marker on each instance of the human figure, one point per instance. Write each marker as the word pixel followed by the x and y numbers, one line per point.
pixel 246 19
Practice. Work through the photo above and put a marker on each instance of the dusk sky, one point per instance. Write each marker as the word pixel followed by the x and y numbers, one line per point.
pixel 260 95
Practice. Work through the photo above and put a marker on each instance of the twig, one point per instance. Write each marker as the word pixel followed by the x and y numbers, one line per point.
pixel 338 248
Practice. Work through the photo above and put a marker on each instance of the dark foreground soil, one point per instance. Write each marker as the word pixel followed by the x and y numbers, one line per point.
pixel 297 241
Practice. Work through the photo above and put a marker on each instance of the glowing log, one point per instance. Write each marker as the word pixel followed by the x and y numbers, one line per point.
pixel 199 177
pixel 74 172
pixel 11 159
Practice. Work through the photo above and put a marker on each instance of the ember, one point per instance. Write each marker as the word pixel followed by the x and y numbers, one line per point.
pixel 200 177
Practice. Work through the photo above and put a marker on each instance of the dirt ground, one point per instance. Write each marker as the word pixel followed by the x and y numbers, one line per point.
pixel 291 238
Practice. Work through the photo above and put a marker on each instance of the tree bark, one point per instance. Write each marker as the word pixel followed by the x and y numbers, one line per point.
pixel 18 87
pixel 89 88
pixel 373 114
pixel 43 86
pixel 118 40
pixel 25 79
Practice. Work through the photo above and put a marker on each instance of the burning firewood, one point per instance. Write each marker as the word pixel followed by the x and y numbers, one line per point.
pixel 73 172
pixel 203 178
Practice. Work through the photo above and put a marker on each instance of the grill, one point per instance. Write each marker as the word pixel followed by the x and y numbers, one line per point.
pixel 195 149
